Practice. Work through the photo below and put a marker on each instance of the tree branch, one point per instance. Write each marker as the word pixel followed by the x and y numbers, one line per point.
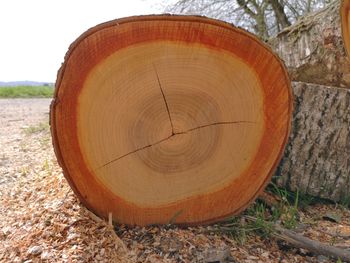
pixel 281 16
pixel 307 243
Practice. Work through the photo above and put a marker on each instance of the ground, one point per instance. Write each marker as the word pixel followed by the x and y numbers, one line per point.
pixel 41 219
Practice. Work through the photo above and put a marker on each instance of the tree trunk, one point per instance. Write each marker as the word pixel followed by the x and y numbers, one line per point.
pixel 317 158
pixel 169 119
pixel 313 48
pixel 280 15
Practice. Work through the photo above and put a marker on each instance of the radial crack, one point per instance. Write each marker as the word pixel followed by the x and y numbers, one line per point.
pixel 167 138
pixel 165 101
pixel 213 124
pixel 135 151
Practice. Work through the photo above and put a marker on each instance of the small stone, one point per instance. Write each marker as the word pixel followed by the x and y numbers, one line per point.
pixel 45 255
pixel 6 231
pixel 333 217
pixel 217 255
pixel 322 259
pixel 300 228
pixel 35 250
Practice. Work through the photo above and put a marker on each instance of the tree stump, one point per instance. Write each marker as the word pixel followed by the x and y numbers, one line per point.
pixel 316 160
pixel 169 119
pixel 313 48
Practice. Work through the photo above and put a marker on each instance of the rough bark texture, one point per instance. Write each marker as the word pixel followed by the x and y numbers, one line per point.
pixel 313 49
pixel 317 158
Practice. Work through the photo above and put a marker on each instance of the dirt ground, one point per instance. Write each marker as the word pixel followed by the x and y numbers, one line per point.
pixel 41 220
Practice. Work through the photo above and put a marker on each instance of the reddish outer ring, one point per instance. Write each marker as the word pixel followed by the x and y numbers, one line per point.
pixel 106 195
pixel 344 16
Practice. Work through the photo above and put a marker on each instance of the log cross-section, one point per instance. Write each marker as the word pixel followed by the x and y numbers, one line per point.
pixel 160 119
pixel 314 48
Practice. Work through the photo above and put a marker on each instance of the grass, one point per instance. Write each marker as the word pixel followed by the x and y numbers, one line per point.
pixel 42 126
pixel 26 92
pixel 345 201
pixel 285 213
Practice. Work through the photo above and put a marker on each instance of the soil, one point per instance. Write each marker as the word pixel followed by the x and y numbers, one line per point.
pixel 41 220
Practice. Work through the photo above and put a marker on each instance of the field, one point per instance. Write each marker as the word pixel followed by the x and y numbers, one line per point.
pixel 26 92
pixel 41 219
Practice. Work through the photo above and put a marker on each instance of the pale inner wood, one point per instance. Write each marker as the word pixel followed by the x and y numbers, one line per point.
pixel 160 122
pixel 346 36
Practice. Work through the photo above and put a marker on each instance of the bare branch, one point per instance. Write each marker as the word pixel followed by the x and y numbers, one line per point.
pixel 263 17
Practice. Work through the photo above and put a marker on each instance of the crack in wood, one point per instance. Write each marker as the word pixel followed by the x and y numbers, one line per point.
pixel 212 124
pixel 172 135
pixel 165 101
pixel 135 151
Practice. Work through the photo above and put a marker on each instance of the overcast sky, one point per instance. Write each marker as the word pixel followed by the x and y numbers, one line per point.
pixel 35 34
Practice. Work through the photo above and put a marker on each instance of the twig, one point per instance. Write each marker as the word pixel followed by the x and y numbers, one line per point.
pixel 111 227
pixel 337 234
pixel 93 216
pixel 15 120
pixel 110 220
pixel 64 198
pixel 307 243
pixel 269 199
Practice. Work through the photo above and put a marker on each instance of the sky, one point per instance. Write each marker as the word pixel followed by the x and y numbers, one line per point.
pixel 36 34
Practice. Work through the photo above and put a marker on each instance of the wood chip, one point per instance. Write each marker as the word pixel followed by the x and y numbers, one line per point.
pixel 41 218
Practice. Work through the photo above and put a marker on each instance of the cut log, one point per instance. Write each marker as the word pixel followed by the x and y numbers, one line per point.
pixel 313 48
pixel 159 119
pixel 317 158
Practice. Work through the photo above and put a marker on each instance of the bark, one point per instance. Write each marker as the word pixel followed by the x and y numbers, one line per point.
pixel 313 48
pixel 281 16
pixel 317 159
